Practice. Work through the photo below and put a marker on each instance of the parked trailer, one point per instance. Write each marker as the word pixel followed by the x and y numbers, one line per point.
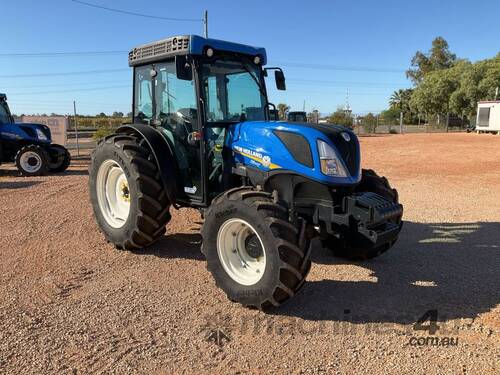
pixel 488 117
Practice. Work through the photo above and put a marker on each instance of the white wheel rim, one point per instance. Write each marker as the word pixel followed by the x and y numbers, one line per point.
pixel 113 194
pixel 232 241
pixel 30 162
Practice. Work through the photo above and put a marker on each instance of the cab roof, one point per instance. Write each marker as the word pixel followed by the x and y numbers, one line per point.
pixel 188 45
pixel 3 96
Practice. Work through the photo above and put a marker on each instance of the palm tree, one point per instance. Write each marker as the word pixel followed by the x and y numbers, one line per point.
pixel 400 99
pixel 282 110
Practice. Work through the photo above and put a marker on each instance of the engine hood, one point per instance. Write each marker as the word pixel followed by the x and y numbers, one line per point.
pixel 30 128
pixel 293 146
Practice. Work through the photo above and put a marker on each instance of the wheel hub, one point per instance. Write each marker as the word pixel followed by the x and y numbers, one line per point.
pixel 30 161
pixel 241 251
pixel 253 246
pixel 113 194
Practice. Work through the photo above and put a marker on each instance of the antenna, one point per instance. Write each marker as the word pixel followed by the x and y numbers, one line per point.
pixel 347 106
pixel 205 23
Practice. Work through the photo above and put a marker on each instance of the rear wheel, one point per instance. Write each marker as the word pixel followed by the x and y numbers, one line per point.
pixel 254 252
pixel 370 182
pixel 32 160
pixel 128 199
pixel 60 158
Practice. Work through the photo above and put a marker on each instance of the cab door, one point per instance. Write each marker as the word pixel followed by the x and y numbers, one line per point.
pixel 171 105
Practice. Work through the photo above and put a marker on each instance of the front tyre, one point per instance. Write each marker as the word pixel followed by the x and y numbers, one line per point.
pixel 128 199
pixel 254 252
pixel 370 182
pixel 60 158
pixel 32 160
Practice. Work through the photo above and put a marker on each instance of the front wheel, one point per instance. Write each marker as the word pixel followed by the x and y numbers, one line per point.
pixel 32 160
pixel 255 253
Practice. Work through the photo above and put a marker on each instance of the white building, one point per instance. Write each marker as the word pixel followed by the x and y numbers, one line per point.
pixel 488 117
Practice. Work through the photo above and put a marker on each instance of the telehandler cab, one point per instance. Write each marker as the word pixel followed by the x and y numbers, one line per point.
pixel 202 137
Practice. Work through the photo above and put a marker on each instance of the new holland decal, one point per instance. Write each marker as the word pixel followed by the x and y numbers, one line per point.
pixel 264 160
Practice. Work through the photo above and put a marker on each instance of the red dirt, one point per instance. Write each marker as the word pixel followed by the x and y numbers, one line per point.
pixel 70 303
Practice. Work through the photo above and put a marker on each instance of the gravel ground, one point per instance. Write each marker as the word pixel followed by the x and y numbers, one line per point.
pixel 70 303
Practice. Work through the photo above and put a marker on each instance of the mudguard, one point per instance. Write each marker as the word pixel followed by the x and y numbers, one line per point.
pixel 163 153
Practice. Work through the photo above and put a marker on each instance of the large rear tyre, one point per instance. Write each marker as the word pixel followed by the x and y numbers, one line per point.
pixel 60 158
pixel 32 160
pixel 128 199
pixel 255 254
pixel 370 182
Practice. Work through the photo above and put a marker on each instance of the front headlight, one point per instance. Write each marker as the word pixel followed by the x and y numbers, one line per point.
pixel 330 162
pixel 41 135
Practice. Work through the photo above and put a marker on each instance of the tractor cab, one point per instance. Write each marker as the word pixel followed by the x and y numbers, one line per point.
pixel 5 115
pixel 192 88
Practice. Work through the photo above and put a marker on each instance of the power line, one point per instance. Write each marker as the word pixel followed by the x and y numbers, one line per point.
pixel 337 83
pixel 62 54
pixel 78 84
pixel 137 14
pixel 72 90
pixel 341 67
pixel 64 73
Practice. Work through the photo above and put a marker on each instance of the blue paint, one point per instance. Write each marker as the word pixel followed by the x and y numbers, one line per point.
pixel 198 44
pixel 257 137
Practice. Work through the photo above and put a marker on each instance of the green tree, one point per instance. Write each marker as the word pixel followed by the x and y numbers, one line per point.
pixel 433 95
pixel 400 100
pixel 389 116
pixel 439 57
pixel 117 114
pixel 478 82
pixel 341 117
pixel 370 122
pixel 283 110
pixel 102 114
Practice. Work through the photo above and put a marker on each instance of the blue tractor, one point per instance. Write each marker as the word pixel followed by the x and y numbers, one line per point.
pixel 29 146
pixel 202 137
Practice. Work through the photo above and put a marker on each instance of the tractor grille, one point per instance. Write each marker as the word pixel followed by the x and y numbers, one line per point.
pixel 159 50
pixel 349 151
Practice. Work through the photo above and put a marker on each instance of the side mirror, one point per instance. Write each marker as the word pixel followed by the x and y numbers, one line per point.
pixel 280 80
pixel 183 69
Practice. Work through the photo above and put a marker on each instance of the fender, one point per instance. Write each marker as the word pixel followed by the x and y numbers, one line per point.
pixel 163 153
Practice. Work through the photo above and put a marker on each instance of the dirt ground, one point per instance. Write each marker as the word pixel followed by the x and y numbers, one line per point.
pixel 71 304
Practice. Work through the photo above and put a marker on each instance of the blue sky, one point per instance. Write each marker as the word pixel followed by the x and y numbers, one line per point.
pixel 377 35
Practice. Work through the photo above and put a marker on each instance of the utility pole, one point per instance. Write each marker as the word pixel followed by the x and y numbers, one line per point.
pixel 76 129
pixel 304 106
pixel 205 23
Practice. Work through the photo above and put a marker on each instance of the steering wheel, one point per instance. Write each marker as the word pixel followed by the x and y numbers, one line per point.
pixel 177 123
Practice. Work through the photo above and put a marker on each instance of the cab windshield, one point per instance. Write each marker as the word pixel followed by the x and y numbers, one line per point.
pixel 5 117
pixel 233 91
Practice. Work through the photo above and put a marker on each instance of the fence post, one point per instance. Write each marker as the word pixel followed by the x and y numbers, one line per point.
pixel 401 122
pixel 76 129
